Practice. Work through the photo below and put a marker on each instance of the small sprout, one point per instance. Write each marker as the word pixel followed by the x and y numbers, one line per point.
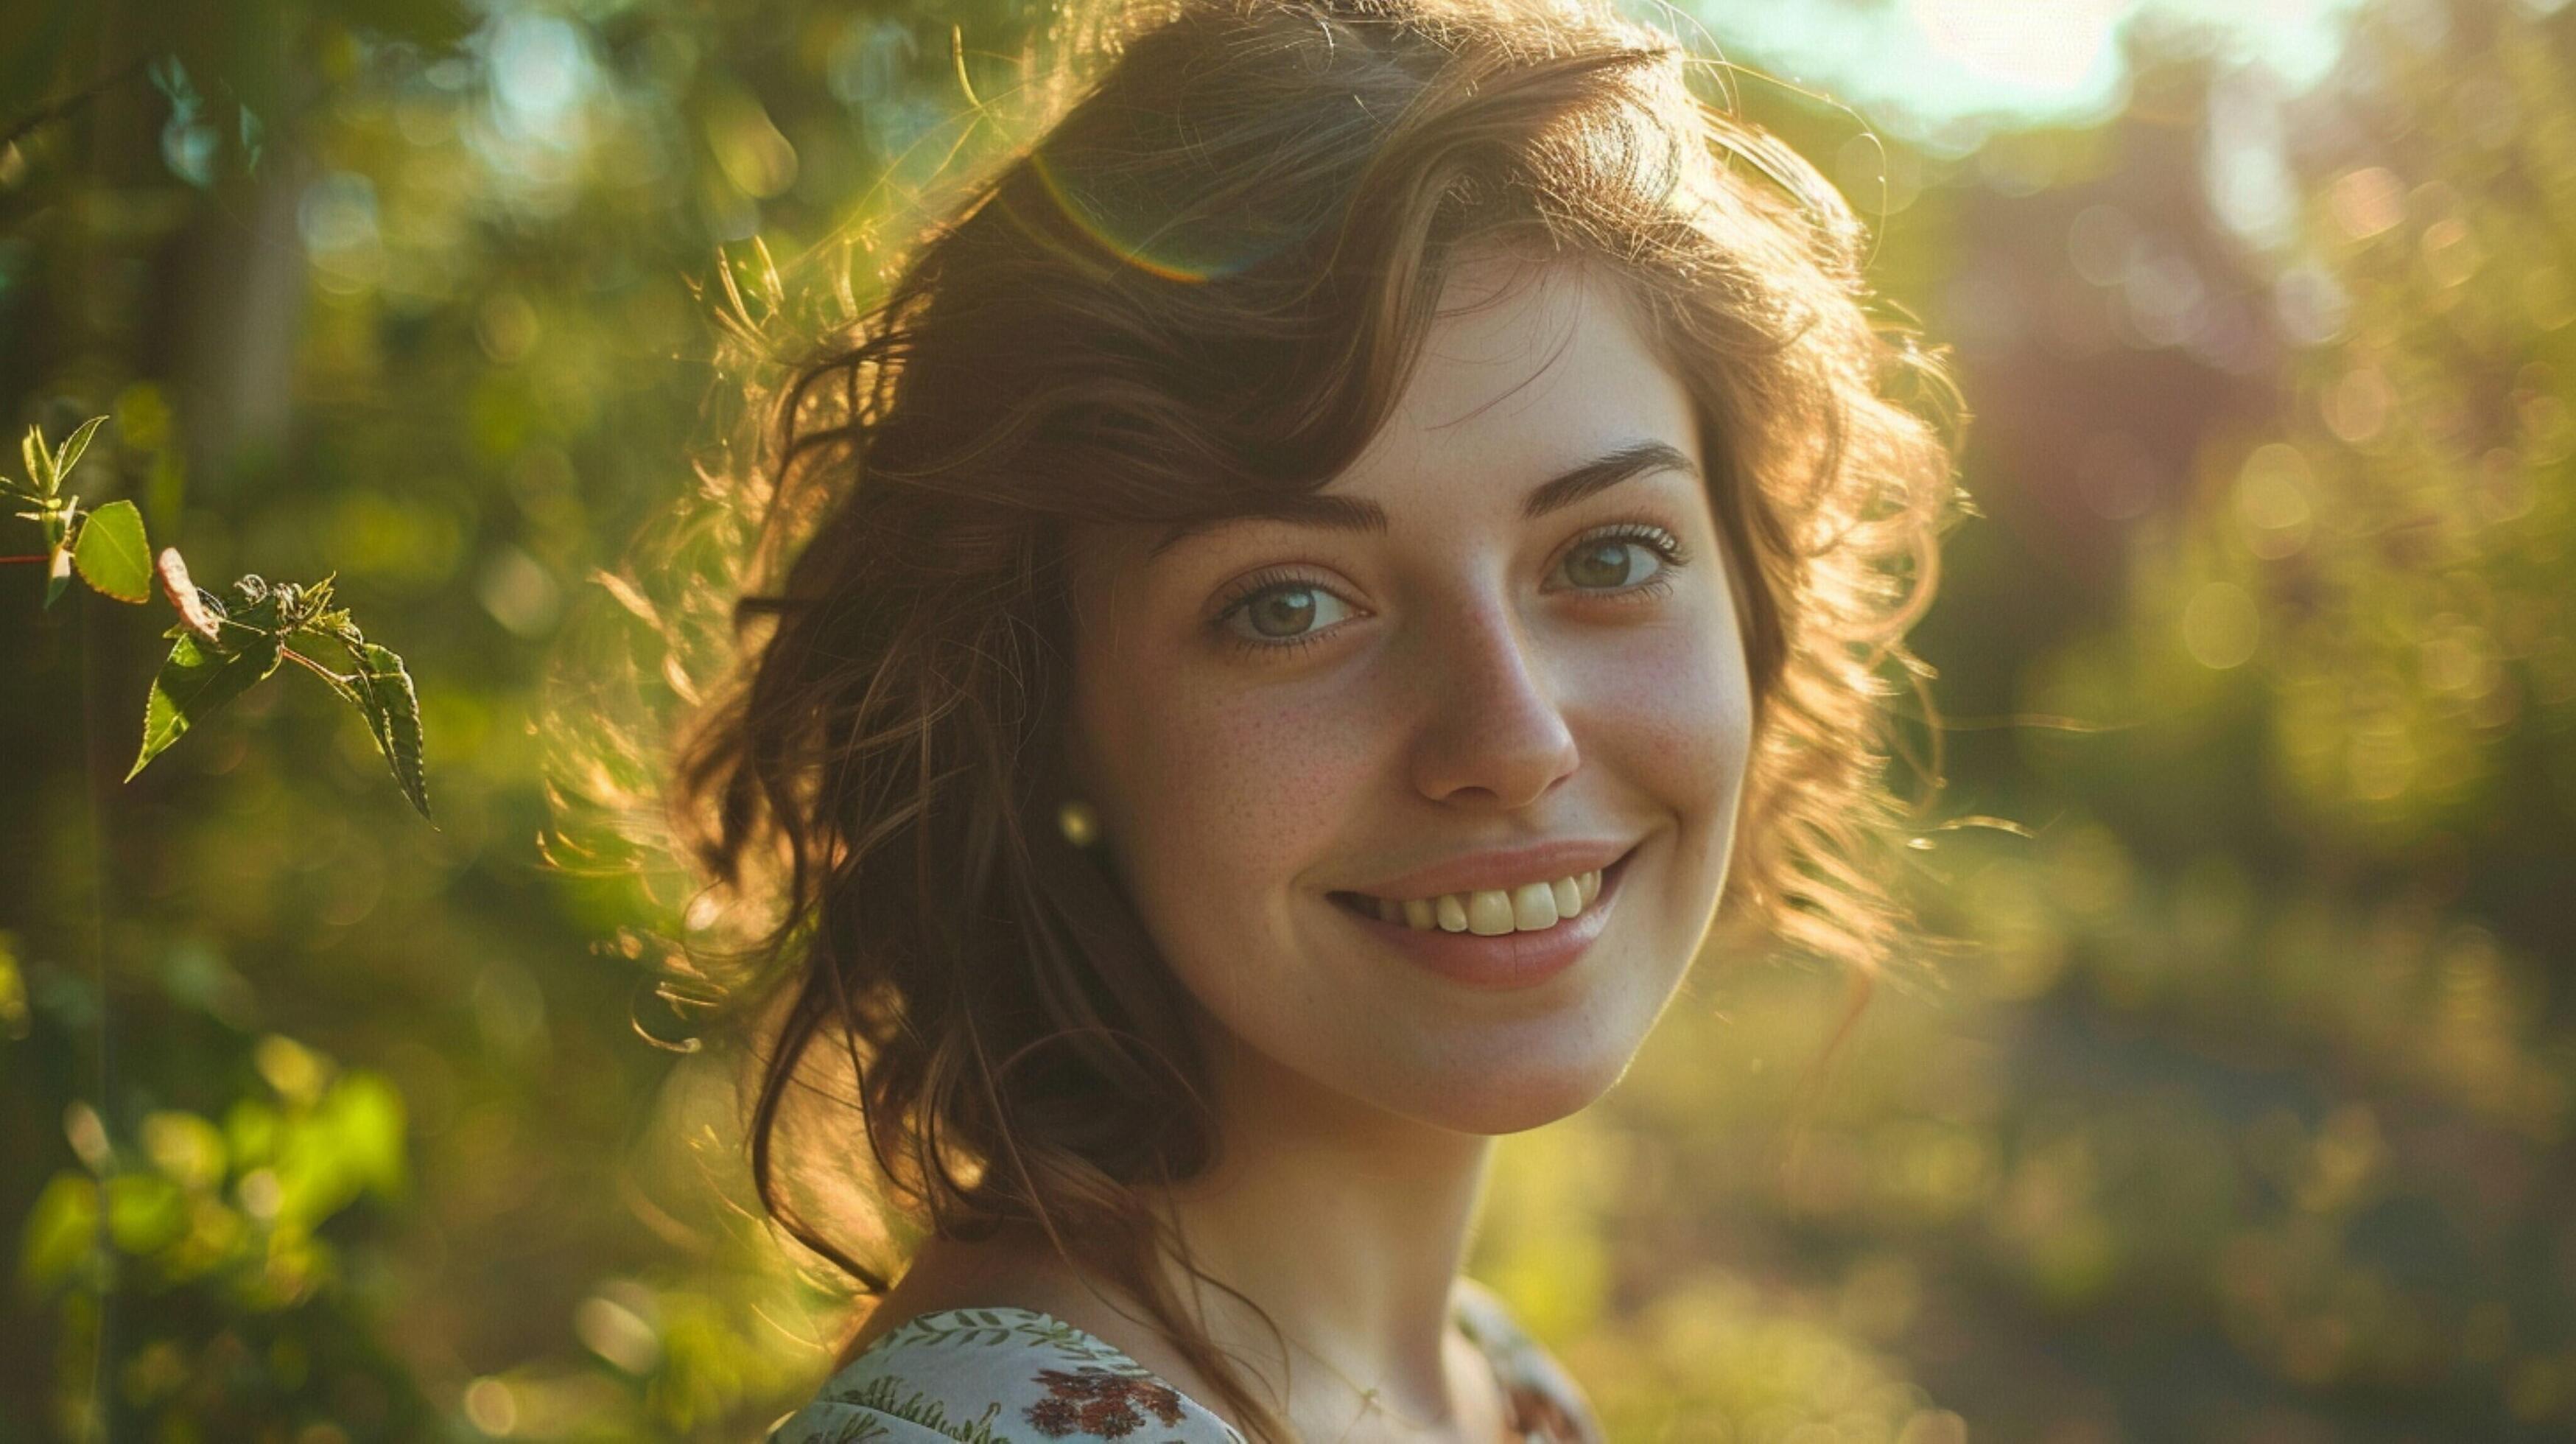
pixel 40 462
pixel 70 455
pixel 104 561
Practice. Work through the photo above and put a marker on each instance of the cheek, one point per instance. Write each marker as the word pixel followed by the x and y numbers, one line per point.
pixel 1671 713
pixel 1232 789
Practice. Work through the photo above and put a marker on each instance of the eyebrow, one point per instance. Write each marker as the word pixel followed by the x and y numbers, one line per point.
pixel 1359 514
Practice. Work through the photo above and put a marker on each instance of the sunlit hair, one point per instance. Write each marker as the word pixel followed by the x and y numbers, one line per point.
pixel 1205 284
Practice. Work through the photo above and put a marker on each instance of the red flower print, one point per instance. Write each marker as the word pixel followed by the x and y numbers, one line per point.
pixel 1099 1403
pixel 1054 1417
pixel 1164 1401
pixel 1110 1418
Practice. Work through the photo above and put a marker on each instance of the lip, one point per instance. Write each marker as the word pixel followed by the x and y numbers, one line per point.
pixel 1505 961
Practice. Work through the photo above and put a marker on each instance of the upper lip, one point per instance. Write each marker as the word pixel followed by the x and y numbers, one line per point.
pixel 1502 868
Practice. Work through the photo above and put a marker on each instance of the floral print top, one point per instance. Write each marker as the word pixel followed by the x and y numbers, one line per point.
pixel 1017 1376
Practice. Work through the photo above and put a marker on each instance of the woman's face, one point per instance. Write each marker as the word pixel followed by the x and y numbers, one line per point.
pixel 1270 712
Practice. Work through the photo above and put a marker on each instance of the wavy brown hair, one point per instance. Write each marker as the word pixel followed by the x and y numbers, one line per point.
pixel 1202 285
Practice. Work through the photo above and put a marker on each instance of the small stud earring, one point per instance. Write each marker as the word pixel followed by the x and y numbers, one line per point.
pixel 1080 824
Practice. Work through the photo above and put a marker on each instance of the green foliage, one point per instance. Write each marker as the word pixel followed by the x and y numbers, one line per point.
pixel 242 1203
pixel 112 554
pixel 227 644
pixel 199 676
pixel 384 690
pixel 59 513
pixel 222 646
pixel 235 1218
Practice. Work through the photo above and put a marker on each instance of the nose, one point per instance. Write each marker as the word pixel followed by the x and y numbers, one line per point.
pixel 1492 731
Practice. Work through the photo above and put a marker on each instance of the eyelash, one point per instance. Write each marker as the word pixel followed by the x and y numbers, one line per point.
pixel 1663 543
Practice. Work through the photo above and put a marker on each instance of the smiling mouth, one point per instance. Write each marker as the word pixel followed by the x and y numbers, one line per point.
pixel 1366 907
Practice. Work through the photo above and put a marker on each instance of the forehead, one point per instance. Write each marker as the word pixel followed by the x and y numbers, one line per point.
pixel 1528 370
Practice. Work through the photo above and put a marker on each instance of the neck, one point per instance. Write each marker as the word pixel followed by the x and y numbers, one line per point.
pixel 1347 1226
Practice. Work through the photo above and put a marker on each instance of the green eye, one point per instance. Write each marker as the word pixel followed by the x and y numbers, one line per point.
pixel 1607 563
pixel 1604 561
pixel 1281 613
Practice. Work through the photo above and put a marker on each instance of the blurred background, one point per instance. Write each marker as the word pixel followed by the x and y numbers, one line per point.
pixel 2245 1116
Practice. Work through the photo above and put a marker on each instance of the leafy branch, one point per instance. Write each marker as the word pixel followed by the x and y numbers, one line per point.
pixel 222 645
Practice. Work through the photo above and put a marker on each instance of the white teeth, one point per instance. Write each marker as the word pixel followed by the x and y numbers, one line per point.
pixel 1534 905
pixel 1494 911
pixel 1489 912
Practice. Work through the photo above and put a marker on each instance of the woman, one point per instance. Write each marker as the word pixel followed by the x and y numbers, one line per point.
pixel 1304 594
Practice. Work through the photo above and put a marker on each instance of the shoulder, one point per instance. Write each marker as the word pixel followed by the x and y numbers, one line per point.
pixel 1548 1403
pixel 996 1376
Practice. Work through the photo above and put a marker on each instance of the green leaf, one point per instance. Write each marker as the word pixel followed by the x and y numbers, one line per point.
pixel 146 1213
pixel 40 463
pixel 364 1111
pixel 112 554
pixel 393 714
pixel 196 680
pixel 70 454
pixel 60 1231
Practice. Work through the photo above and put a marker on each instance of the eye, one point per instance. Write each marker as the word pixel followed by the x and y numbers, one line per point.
pixel 1608 560
pixel 1278 613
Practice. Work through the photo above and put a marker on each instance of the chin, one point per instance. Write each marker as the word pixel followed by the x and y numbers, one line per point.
pixel 1515 1098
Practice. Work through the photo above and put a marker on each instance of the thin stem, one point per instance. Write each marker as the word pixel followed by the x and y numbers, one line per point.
pixel 37 557
pixel 105 1398
pixel 292 655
